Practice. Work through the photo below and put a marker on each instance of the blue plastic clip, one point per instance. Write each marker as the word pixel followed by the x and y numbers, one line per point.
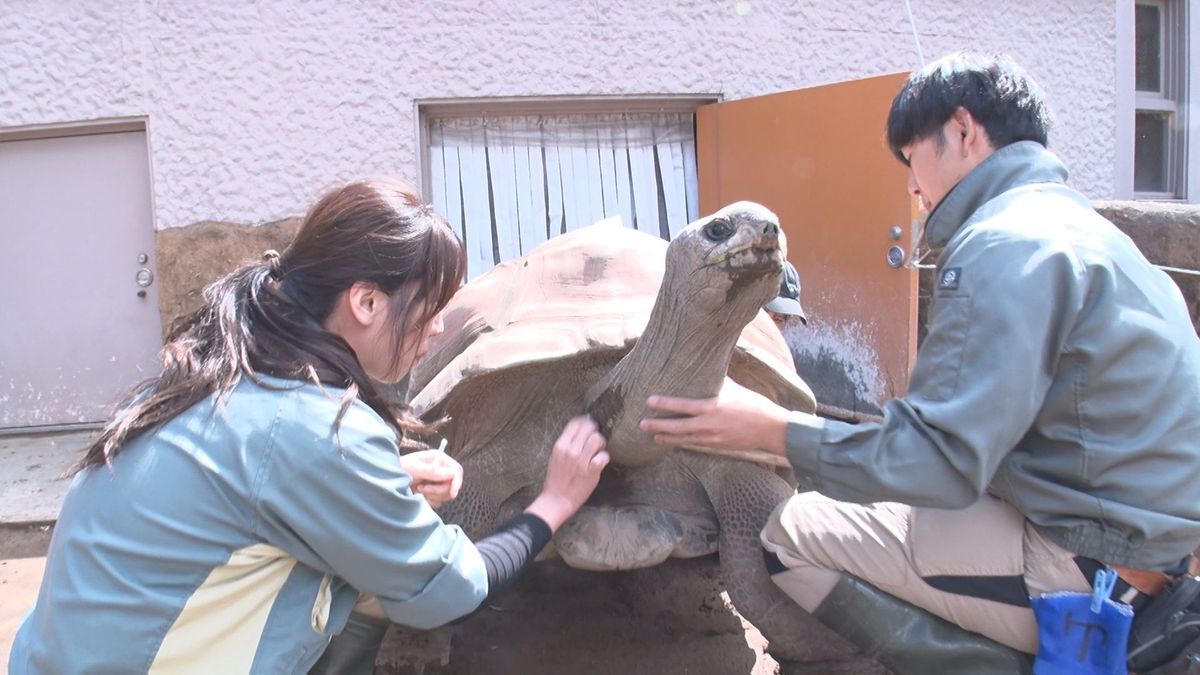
pixel 1102 587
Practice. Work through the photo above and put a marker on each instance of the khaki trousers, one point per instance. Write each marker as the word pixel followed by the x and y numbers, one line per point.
pixel 966 566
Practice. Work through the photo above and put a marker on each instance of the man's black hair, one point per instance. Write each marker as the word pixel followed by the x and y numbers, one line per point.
pixel 996 91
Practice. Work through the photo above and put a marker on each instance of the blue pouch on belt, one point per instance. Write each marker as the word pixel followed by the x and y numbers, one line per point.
pixel 1081 633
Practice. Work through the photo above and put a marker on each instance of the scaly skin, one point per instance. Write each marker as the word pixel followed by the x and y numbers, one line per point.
pixel 744 495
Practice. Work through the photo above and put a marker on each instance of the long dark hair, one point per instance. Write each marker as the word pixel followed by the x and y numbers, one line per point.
pixel 266 318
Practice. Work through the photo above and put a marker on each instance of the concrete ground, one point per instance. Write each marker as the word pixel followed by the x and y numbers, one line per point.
pixel 32 475
pixel 32 485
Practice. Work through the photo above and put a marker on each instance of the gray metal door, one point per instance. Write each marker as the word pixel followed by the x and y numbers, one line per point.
pixel 78 325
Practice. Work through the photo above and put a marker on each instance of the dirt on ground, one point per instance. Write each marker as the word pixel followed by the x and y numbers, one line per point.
pixel 672 618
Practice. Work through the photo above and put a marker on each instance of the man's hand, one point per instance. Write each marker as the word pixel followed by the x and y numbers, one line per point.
pixel 435 475
pixel 735 419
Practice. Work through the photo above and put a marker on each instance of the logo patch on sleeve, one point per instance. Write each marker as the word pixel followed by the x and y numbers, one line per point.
pixel 949 279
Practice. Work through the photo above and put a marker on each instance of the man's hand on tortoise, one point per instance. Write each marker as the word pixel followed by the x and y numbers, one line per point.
pixel 735 419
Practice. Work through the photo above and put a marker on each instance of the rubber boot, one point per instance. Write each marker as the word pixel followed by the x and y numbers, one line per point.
pixel 909 640
pixel 353 651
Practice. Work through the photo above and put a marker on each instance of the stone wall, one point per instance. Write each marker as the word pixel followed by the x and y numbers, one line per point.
pixel 190 258
pixel 1166 233
pixel 194 256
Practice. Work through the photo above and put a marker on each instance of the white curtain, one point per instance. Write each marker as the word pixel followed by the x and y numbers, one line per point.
pixel 509 183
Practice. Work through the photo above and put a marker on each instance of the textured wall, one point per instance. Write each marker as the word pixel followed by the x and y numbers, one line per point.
pixel 255 107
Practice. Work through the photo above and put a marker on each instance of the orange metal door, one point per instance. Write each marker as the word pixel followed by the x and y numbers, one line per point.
pixel 817 157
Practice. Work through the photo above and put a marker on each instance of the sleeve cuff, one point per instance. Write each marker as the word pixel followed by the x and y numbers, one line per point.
pixel 536 529
pixel 804 434
pixel 455 591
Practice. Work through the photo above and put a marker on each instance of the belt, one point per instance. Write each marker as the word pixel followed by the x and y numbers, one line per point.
pixel 1135 587
pixel 1145 582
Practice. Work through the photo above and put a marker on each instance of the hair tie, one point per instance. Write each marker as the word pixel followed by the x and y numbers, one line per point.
pixel 274 264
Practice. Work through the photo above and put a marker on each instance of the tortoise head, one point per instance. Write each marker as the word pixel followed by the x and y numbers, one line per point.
pixel 727 263
pixel 720 271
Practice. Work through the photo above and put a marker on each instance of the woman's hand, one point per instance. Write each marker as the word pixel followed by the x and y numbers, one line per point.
pixel 576 461
pixel 435 475
pixel 735 419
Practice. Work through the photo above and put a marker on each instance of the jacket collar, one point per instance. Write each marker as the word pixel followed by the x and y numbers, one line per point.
pixel 1014 165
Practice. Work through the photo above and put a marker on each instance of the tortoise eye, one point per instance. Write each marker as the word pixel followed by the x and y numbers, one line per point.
pixel 718 230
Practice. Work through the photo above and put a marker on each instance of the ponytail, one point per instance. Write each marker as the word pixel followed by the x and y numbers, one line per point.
pixel 266 318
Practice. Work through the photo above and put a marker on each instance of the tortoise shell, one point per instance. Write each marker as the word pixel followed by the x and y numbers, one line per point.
pixel 588 290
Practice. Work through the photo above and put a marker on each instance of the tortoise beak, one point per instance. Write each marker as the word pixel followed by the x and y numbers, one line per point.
pixel 754 257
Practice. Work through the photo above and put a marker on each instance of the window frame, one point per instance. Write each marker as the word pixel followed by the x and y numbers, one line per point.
pixel 427 110
pixel 431 113
pixel 1179 89
pixel 1191 56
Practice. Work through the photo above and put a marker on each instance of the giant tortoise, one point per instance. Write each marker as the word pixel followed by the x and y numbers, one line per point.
pixel 596 320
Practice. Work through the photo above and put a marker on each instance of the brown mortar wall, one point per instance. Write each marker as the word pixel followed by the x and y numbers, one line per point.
pixel 190 258
pixel 194 256
pixel 1167 234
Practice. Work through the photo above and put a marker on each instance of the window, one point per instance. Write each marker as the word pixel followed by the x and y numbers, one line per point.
pixel 507 182
pixel 1160 93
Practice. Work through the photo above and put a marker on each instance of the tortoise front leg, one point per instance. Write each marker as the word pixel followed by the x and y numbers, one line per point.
pixel 744 495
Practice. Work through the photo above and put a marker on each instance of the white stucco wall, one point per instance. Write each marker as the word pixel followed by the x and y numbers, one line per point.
pixel 255 107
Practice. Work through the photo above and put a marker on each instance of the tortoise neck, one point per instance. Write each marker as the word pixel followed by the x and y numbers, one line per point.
pixel 680 353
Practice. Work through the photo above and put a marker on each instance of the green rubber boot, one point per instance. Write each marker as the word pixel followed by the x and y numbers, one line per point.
pixel 909 640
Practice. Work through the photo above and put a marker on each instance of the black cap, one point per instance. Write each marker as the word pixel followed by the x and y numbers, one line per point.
pixel 788 301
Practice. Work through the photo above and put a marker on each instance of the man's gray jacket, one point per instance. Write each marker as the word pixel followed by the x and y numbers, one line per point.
pixel 1061 373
